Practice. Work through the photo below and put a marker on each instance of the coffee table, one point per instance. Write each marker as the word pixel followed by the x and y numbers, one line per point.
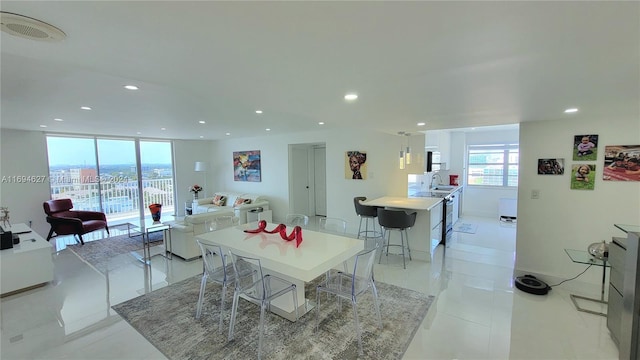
pixel 318 253
pixel 145 227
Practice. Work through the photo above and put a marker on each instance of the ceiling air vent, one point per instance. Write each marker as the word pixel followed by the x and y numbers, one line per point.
pixel 30 28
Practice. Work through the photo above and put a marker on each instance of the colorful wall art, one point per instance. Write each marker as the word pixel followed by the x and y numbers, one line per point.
pixel 550 166
pixel 246 166
pixel 621 163
pixel 355 165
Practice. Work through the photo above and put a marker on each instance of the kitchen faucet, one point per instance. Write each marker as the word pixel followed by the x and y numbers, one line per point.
pixel 433 177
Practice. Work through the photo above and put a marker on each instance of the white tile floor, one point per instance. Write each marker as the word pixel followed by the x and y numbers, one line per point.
pixel 477 313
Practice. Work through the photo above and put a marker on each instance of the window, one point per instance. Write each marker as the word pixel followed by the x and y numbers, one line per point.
pixel 493 165
pixel 103 174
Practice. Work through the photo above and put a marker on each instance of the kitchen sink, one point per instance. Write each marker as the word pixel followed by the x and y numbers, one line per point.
pixel 438 194
pixel 443 188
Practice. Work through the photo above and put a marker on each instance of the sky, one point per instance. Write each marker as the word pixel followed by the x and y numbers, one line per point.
pixel 81 151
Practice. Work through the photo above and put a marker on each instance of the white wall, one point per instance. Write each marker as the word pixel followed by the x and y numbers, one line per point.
pixel 564 218
pixel 384 176
pixel 24 153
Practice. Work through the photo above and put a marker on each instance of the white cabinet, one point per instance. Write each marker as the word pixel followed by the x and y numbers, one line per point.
pixel 436 234
pixel 26 265
pixel 436 223
pixel 439 141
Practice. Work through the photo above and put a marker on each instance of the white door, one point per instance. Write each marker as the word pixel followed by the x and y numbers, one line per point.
pixel 299 180
pixel 320 180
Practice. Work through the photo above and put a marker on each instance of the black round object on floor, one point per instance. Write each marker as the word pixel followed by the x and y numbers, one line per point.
pixel 530 284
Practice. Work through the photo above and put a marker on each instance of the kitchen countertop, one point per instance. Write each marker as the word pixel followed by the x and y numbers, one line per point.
pixel 418 203
pixel 435 193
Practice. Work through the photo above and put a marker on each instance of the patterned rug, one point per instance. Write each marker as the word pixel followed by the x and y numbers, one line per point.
pixel 466 228
pixel 165 317
pixel 98 252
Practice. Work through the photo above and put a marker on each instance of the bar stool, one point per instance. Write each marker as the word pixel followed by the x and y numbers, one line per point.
pixel 397 220
pixel 368 214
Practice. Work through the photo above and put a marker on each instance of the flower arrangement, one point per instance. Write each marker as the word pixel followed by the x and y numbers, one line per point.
pixel 195 188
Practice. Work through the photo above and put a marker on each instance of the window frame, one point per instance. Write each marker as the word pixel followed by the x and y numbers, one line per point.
pixel 507 149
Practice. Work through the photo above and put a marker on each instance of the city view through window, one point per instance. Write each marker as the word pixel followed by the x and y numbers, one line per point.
pixel 104 175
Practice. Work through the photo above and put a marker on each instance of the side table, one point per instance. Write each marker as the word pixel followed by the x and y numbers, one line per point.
pixel 583 257
pixel 147 226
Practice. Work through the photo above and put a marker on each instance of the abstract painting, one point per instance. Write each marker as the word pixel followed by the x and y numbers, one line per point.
pixel 246 166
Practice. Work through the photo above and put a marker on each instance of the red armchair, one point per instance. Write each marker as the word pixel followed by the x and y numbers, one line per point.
pixel 65 221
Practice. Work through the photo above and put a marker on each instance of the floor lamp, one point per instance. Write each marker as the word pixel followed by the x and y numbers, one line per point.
pixel 201 166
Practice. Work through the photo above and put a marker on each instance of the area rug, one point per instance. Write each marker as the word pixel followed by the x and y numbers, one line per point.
pixel 165 317
pixel 97 253
pixel 466 228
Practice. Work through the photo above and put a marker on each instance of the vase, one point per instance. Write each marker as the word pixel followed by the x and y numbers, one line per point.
pixel 195 196
pixel 155 211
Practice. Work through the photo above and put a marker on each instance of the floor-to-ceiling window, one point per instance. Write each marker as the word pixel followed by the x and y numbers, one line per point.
pixel 120 177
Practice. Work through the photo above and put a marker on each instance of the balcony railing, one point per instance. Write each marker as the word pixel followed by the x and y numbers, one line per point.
pixel 120 200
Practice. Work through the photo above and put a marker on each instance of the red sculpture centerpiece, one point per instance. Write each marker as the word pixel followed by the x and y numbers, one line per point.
pixel 281 229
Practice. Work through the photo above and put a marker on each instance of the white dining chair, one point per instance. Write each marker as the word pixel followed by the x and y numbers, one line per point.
pixel 351 287
pixel 259 289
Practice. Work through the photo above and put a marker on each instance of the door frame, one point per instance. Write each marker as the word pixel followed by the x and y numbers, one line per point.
pixel 308 171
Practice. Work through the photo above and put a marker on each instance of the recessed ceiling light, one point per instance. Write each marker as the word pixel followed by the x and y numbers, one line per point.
pixel 351 97
pixel 571 110
pixel 228 134
pixel 202 122
pixel 139 133
pixel 163 129
pixel 268 129
pixel 321 123
pixel 421 124
pixel 258 111
pixel 85 108
pixel 201 136
pixel 57 119
pixel 131 87
pixel 43 126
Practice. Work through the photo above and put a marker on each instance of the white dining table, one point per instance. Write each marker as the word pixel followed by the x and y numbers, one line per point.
pixel 318 253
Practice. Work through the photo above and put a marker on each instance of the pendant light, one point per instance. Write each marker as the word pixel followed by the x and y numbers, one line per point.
pixel 407 156
pixel 402 160
pixel 405 151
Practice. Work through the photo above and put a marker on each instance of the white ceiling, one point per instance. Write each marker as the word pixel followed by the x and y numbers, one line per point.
pixel 449 64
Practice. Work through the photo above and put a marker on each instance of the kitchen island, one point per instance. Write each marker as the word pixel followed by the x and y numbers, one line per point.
pixel 427 232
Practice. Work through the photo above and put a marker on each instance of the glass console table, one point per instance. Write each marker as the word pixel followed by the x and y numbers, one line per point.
pixel 147 226
pixel 583 257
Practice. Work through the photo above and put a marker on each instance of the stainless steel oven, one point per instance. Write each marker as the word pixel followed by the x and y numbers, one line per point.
pixel 447 218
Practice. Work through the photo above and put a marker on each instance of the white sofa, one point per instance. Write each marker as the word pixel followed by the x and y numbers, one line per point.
pixel 240 211
pixel 183 232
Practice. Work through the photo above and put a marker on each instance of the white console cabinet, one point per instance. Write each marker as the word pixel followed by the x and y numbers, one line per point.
pixel 28 264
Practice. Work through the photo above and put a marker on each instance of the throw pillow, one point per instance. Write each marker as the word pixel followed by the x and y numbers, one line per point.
pixel 241 201
pixel 219 200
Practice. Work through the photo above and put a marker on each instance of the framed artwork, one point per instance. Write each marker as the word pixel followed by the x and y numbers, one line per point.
pixel 583 176
pixel 550 166
pixel 355 165
pixel 246 166
pixel 621 163
pixel 585 147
